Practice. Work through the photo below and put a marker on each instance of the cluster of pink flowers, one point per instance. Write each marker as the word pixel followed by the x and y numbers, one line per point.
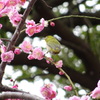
pixel 34 53
pixel 32 27
pixel 8 8
pixel 48 92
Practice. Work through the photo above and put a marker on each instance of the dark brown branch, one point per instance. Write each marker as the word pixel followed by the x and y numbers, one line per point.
pixel 4 39
pixel 18 95
pixel 6 88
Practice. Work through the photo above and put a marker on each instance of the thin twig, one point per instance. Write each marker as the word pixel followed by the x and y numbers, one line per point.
pixel 4 39
pixel 67 76
pixel 46 3
pixel 70 16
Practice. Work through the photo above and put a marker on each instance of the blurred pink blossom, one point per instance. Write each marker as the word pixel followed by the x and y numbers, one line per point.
pixel 61 73
pixel 52 24
pixel 96 93
pixel 14 17
pixel 59 64
pixel 85 98
pixel 68 88
pixel 30 57
pixel 49 60
pixel 1 5
pixel 11 2
pixel 48 92
pixel 74 98
pixel 17 51
pixel 3 48
pixel 0 26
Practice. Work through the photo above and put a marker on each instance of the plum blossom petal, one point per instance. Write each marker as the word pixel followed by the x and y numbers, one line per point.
pixel 7 56
pixel 59 64
pixel 85 97
pixel 38 53
pixel 48 92
pixel 17 51
pixel 26 46
pixel 68 88
pixel 96 93
pixel 74 98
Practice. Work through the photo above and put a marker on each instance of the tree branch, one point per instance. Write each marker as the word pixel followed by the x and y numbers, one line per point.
pixel 6 88
pixel 18 95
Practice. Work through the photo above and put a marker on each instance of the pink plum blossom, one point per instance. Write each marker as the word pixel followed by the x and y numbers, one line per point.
pixel 26 46
pixel 7 56
pixel 30 57
pixel 1 5
pixel 44 22
pixel 5 11
pixel 17 51
pixel 61 73
pixel 49 60
pixel 96 93
pixel 52 24
pixel 0 26
pixel 59 64
pixel 85 98
pixel 11 2
pixel 68 88
pixel 38 53
pixel 32 28
pixel 30 23
pixel 48 92
pixel 14 17
pixel 3 48
pixel 74 98
pixel 15 86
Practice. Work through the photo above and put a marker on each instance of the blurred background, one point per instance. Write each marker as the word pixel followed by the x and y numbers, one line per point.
pixel 80 47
